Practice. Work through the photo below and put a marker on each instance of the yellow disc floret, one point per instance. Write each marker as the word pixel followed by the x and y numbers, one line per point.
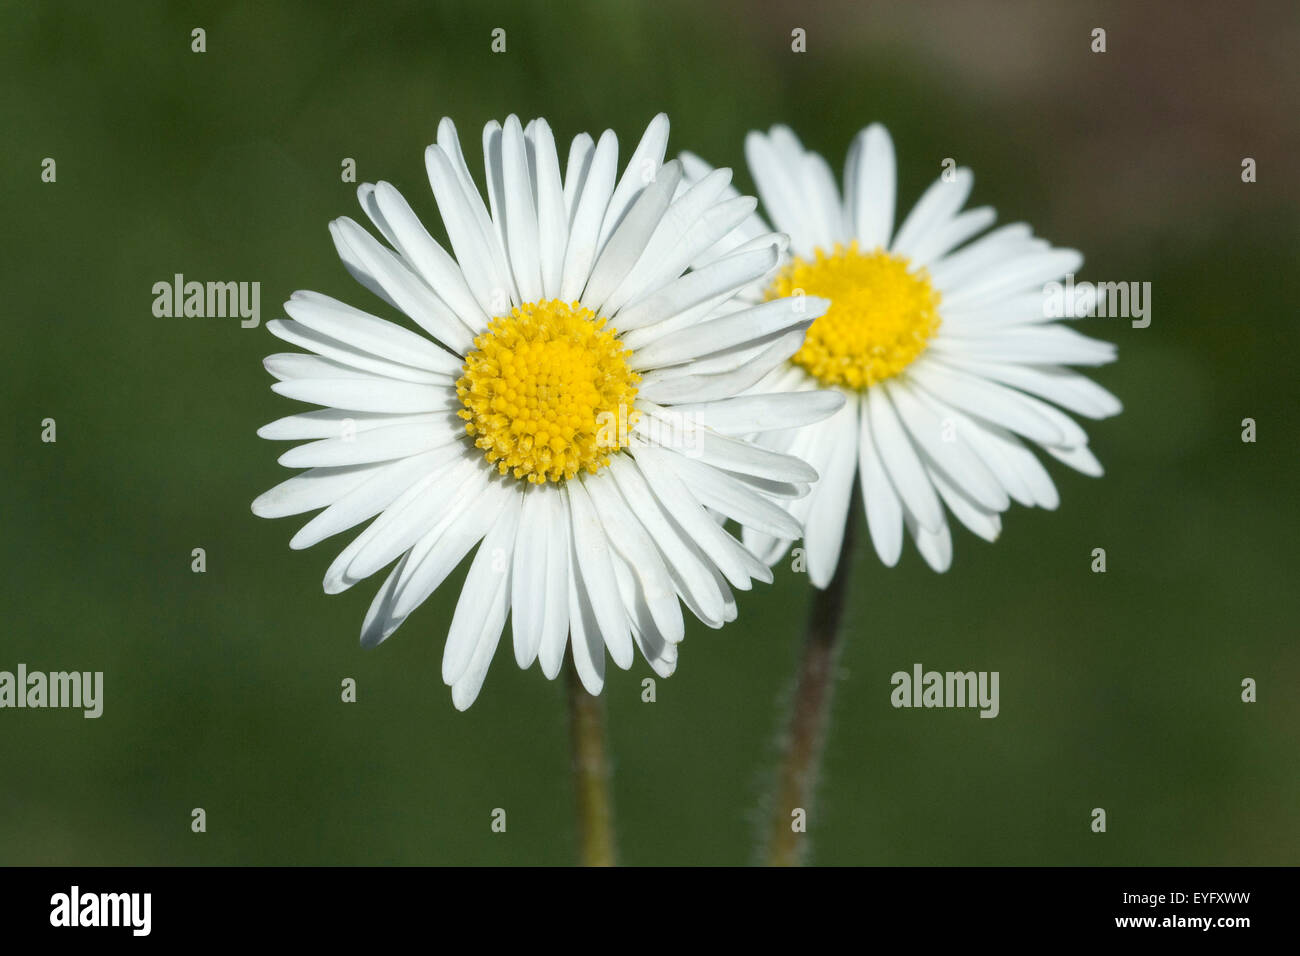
pixel 881 317
pixel 548 392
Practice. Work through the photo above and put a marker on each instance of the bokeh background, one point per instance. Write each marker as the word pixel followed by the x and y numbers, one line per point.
pixel 1119 690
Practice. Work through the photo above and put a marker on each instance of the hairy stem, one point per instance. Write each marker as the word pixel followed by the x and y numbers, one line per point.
pixel 805 735
pixel 591 773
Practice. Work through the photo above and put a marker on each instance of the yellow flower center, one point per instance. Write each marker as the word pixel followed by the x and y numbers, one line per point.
pixel 881 317
pixel 548 392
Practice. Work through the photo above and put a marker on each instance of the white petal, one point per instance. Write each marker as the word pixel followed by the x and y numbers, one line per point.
pixel 430 504
pixel 749 226
pixel 935 546
pixel 817 183
pixel 829 507
pixel 432 262
pixel 725 552
pixel 1063 386
pixel 370 206
pixel 870 189
pixel 587 217
pixel 979 436
pixel 345 355
pixel 901 462
pixel 663 258
pixel 1022 274
pixel 728 495
pixel 766 547
pixel 1080 458
pixel 812 445
pixel 366 258
pixel 369 333
pixel 974 262
pixel 552 215
pixel 1071 433
pixel 287 366
pixel 883 509
pixel 379 622
pixel 519 222
pixel 951 234
pixel 693 167
pixel 482 266
pixel 627 243
pixel 596 571
pixel 774 177
pixel 495 231
pixel 936 206
pixel 1029 308
pixel 630 539
pixel 449 143
pixel 528 576
pixel 432 559
pixel 555 621
pixel 710 283
pixel 378 444
pixel 786 144
pixel 311 490
pixel 366 500
pixel 482 601
pixel 675 248
pixel 1019 470
pixel 745 458
pixel 685 561
pixel 944 446
pixel 730 611
pixel 745 414
pixel 401 595
pixel 465 691
pixel 774 489
pixel 987 400
pixel 588 649
pixel 659 653
pixel 337 423
pixel 369 395
pixel 581 150
pixel 708 388
pixel 737 329
pixel 642 168
pixel 982 521
pixel 1037 344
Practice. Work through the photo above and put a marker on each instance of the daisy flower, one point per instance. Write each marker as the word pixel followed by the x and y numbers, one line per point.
pixel 572 408
pixel 939 342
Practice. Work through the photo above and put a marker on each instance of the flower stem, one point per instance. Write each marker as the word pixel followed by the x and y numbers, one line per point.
pixel 805 736
pixel 591 773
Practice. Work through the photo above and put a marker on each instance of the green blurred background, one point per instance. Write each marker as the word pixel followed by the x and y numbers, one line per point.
pixel 1119 690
